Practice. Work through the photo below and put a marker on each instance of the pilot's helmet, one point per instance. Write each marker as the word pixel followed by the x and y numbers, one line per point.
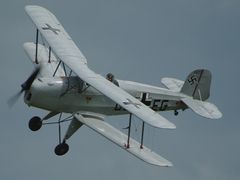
pixel 110 76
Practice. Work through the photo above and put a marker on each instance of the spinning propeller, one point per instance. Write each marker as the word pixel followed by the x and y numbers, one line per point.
pixel 25 86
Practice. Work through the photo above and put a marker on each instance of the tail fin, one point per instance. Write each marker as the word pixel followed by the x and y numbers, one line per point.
pixel 197 84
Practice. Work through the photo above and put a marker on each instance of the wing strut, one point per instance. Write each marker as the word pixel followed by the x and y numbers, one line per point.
pixel 49 54
pixel 36 52
pixel 129 133
pixel 57 68
pixel 129 130
pixel 143 124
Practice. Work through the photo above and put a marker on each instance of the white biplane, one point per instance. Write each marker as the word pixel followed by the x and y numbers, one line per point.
pixel 89 97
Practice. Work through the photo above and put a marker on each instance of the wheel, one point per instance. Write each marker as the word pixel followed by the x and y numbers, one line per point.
pixel 175 113
pixel 61 149
pixel 35 123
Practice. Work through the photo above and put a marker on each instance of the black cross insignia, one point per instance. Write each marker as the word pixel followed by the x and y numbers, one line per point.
pixel 54 30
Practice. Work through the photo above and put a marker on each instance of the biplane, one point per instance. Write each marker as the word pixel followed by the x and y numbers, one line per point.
pixel 62 82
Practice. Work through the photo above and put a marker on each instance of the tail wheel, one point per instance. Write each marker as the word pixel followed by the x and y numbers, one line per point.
pixel 175 112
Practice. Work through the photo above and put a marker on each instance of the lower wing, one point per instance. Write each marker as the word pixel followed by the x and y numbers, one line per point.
pixel 120 139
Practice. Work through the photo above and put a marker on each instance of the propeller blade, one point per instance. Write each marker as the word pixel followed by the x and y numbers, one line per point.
pixel 12 100
pixel 27 84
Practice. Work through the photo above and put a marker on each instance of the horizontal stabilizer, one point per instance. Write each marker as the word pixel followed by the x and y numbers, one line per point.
pixel 172 84
pixel 202 108
pixel 120 139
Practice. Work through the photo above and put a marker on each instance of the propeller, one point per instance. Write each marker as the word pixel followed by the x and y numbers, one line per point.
pixel 25 86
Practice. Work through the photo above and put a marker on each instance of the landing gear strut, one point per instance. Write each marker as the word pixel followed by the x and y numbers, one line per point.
pixel 62 148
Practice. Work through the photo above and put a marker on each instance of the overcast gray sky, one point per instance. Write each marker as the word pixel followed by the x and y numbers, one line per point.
pixel 141 41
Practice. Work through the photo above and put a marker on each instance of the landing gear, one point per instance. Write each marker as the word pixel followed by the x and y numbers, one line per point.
pixel 35 123
pixel 61 149
pixel 175 112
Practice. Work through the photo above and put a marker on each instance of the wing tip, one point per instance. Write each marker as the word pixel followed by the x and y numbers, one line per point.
pixel 173 126
pixel 217 115
pixel 168 126
pixel 166 163
pixel 29 8
pixel 163 165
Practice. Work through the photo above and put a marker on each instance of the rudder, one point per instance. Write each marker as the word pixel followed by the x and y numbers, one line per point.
pixel 197 84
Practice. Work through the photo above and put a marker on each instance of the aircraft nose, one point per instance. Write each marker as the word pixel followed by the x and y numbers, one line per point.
pixel 27 97
pixel 47 87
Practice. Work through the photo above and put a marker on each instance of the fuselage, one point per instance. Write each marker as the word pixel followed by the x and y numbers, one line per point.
pixel 70 94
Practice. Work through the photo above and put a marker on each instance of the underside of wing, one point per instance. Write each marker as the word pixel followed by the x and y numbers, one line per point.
pixel 120 139
pixel 67 51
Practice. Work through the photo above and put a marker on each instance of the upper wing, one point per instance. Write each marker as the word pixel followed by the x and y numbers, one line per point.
pixel 54 33
pixel 120 139
pixel 47 69
pixel 68 52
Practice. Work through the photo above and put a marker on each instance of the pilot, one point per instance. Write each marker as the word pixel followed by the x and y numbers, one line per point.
pixel 111 78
